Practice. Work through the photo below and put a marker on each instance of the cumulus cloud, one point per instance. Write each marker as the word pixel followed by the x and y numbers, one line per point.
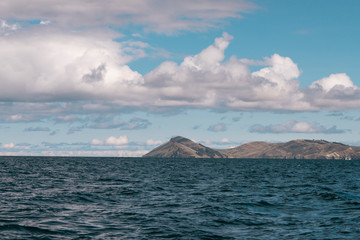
pixel 64 66
pixel 336 92
pixel 340 81
pixel 205 80
pixel 156 15
pixel 295 127
pixel 113 141
pixel 90 74
pixel 220 127
pixel 117 141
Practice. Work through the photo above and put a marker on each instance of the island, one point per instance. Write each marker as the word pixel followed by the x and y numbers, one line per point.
pixel 181 147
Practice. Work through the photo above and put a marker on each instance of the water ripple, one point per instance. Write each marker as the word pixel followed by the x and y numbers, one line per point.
pixel 135 198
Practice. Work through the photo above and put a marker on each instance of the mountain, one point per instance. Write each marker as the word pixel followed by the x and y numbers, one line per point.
pixel 300 149
pixel 180 147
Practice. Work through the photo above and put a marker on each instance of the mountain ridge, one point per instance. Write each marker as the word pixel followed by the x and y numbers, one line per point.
pixel 181 147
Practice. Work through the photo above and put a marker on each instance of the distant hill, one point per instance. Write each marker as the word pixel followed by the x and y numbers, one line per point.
pixel 180 147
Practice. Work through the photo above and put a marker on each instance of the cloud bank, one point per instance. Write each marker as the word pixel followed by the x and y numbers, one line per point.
pixel 90 74
pixel 156 15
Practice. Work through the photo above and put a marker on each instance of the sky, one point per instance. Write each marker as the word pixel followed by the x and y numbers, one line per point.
pixel 119 78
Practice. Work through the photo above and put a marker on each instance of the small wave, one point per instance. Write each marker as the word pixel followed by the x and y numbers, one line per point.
pixel 109 179
pixel 264 203
pixel 129 191
pixel 328 196
pixel 31 229
pixel 84 199
pixel 354 203
pixel 240 221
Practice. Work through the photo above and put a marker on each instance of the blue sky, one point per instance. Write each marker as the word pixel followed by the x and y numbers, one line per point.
pixel 118 78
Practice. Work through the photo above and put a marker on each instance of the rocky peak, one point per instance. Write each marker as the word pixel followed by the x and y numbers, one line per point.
pixel 180 139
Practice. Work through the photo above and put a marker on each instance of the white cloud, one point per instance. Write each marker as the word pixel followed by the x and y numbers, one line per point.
pixel 97 142
pixel 117 141
pixel 210 57
pixel 8 145
pixel 45 22
pixel 151 142
pixel 93 69
pixel 113 141
pixel 63 66
pixel 155 15
pixel 295 127
pixel 340 80
pixel 336 92
pixel 204 80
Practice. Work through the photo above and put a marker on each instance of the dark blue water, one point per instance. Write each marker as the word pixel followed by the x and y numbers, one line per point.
pixel 134 198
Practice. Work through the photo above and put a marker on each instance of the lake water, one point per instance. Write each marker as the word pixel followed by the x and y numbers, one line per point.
pixel 135 198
